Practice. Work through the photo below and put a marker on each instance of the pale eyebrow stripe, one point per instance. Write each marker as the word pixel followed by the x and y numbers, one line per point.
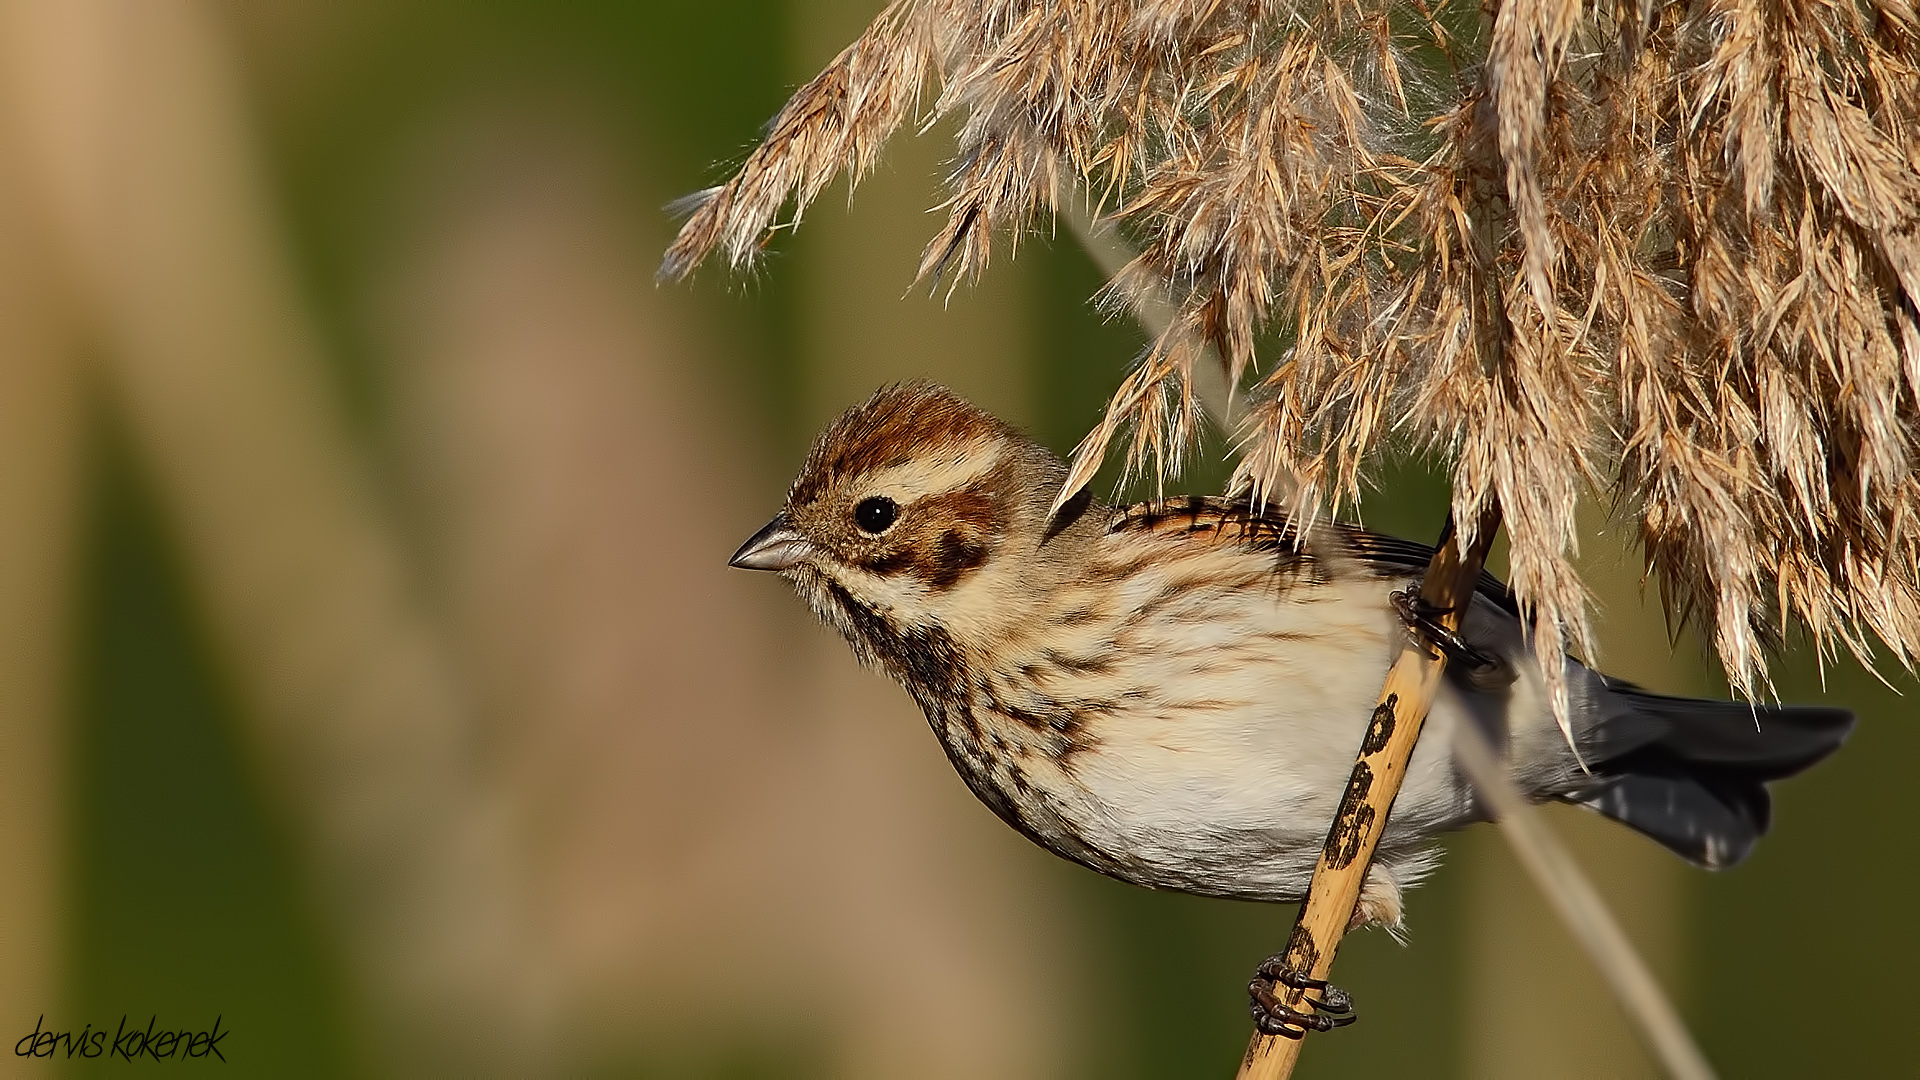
pixel 940 472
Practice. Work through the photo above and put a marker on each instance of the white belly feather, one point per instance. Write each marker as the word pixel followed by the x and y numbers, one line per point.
pixel 1235 730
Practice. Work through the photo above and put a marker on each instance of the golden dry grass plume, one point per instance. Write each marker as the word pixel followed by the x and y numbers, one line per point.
pixel 1667 252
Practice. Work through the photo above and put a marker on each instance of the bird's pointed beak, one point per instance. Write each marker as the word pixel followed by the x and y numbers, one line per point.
pixel 775 547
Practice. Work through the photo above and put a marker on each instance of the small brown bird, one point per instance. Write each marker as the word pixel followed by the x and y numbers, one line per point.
pixel 1173 693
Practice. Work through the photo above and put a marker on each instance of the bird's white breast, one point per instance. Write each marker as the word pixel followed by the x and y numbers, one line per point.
pixel 1231 702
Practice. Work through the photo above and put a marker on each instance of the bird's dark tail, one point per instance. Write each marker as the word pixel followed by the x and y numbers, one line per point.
pixel 1700 785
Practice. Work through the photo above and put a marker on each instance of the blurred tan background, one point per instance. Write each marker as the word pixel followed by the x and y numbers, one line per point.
pixel 370 675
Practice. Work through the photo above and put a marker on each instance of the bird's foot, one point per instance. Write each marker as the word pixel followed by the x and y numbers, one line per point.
pixel 1332 1009
pixel 1424 619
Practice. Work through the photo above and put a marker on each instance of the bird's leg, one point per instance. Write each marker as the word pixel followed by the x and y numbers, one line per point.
pixel 1424 619
pixel 1332 1009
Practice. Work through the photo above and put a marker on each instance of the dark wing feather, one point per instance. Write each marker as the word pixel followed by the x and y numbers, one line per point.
pixel 1270 530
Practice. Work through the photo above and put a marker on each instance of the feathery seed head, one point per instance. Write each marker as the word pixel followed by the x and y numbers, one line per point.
pixel 1657 250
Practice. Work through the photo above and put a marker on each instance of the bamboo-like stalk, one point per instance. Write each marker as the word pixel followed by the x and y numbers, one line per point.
pixel 1547 862
pixel 1382 764
pixel 1551 867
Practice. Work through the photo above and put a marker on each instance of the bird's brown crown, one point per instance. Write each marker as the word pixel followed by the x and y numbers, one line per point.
pixel 897 424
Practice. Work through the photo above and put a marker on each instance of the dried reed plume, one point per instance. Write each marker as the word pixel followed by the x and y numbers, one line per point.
pixel 1670 249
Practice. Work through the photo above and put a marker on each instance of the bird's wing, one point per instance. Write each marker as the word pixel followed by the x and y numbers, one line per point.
pixel 1270 530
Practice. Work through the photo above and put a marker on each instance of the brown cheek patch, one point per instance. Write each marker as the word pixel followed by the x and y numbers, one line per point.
pixel 953 557
pixel 950 536
pixel 969 520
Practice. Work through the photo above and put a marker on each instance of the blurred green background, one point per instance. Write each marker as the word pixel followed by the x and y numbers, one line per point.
pixel 372 680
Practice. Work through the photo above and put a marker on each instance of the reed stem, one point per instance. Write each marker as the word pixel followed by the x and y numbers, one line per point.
pixel 1394 728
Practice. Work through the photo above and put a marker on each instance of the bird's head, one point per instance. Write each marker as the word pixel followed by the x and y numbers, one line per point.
pixel 917 509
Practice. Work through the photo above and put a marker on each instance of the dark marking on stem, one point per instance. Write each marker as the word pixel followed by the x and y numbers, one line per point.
pixel 1353 821
pixel 1298 960
pixel 1380 729
pixel 1301 952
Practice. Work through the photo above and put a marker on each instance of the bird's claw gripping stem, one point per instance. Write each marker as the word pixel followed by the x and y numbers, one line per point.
pixel 1424 619
pixel 1332 1009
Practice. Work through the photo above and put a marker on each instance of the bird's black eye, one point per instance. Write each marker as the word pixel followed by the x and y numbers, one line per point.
pixel 875 514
